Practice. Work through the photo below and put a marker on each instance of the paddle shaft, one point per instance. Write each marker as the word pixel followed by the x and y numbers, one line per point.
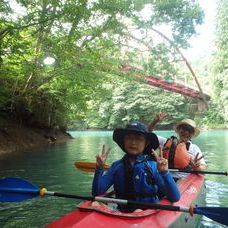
pixel 142 204
pixel 198 172
pixel 91 166
pixel 120 201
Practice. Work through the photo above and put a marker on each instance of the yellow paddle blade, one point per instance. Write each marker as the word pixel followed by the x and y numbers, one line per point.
pixel 88 166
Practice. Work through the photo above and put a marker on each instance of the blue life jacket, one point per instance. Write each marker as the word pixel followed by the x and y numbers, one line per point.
pixel 139 183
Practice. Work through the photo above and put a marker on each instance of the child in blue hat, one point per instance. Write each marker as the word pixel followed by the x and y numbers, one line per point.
pixel 135 176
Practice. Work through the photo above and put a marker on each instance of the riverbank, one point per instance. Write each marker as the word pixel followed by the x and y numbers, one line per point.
pixel 15 137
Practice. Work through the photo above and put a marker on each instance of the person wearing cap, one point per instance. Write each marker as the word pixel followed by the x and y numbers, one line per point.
pixel 135 176
pixel 186 129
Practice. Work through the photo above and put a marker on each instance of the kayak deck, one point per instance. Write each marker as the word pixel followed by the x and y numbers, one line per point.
pixel 192 191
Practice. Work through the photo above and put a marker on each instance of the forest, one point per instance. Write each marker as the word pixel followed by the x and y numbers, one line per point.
pixel 60 63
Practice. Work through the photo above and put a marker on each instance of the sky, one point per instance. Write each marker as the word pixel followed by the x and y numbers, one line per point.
pixel 203 42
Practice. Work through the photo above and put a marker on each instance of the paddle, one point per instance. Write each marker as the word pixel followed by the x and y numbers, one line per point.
pixel 90 167
pixel 13 189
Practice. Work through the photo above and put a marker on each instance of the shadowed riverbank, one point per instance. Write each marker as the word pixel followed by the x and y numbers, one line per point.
pixel 16 137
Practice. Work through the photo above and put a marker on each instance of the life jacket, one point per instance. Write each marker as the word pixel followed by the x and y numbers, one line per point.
pixel 177 153
pixel 145 180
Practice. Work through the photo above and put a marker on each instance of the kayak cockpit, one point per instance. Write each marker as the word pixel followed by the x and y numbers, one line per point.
pixel 86 206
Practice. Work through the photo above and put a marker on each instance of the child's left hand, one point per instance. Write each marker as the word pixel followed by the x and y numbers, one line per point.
pixel 162 163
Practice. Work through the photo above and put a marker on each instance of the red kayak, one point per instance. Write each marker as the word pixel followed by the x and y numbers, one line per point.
pixel 192 190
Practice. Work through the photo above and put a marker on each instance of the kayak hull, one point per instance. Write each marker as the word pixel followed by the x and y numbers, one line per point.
pixel 192 190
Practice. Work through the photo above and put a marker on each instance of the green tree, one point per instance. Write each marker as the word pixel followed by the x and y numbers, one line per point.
pixel 220 65
pixel 134 101
pixel 87 39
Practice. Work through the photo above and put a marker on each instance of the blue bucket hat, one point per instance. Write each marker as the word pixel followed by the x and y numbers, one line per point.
pixel 139 128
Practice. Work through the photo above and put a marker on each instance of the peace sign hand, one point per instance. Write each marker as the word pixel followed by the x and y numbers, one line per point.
pixel 162 163
pixel 101 158
pixel 195 163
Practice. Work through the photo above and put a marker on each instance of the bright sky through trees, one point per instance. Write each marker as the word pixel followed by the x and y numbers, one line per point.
pixel 49 60
pixel 202 44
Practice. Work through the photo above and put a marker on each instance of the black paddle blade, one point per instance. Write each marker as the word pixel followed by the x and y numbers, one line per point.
pixel 218 214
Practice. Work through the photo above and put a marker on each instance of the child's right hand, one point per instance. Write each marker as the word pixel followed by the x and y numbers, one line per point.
pixel 101 158
pixel 162 163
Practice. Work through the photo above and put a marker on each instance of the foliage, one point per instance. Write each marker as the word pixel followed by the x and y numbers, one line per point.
pixel 89 41
pixel 131 101
pixel 182 14
pixel 212 118
pixel 220 65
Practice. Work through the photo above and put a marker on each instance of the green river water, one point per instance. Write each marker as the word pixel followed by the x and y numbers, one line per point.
pixel 52 167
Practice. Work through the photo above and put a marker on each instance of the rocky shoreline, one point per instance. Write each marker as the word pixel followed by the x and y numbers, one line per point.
pixel 15 137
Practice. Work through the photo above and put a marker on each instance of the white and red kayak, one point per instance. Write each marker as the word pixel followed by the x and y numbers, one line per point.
pixel 192 190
